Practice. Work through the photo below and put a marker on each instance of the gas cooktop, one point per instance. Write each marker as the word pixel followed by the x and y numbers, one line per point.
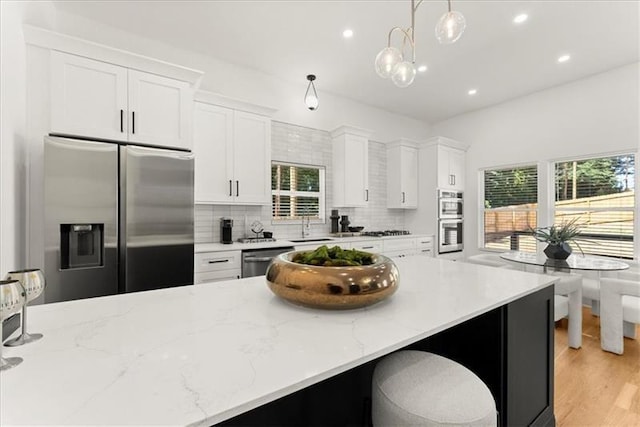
pixel 385 233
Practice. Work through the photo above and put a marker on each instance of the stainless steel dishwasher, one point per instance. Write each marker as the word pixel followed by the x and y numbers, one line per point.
pixel 256 261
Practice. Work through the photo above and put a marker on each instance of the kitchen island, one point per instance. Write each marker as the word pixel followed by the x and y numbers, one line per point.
pixel 200 355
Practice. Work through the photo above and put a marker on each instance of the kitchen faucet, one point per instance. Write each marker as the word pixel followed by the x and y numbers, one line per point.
pixel 306 228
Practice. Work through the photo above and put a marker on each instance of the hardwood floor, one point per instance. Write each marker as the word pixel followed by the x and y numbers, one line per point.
pixel 594 387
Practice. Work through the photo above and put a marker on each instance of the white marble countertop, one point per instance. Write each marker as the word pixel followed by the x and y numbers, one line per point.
pixel 237 246
pixel 198 355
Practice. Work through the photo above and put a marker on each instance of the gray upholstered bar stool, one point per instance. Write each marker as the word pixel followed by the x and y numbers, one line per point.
pixel 416 388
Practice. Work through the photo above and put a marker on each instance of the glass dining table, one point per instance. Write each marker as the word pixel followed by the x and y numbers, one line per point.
pixel 574 262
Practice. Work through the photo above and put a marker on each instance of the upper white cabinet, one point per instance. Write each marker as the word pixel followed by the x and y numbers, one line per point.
pixel 160 110
pixel 233 156
pixel 350 167
pixel 450 167
pixel 402 174
pixel 102 100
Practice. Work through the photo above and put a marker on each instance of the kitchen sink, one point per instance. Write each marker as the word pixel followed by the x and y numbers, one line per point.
pixel 320 239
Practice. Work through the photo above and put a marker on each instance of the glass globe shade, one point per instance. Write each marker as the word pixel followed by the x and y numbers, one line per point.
pixel 387 61
pixel 311 101
pixel 450 27
pixel 404 75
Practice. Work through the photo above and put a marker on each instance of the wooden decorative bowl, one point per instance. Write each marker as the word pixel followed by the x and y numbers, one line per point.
pixel 333 288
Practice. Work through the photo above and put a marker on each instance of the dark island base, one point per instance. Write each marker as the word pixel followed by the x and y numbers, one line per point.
pixel 509 348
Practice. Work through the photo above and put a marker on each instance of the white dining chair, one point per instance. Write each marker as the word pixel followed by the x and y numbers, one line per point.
pixel 567 298
pixel 568 303
pixel 619 311
pixel 591 283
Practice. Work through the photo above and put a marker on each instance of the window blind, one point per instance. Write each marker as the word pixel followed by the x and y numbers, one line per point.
pixel 599 195
pixel 510 208
pixel 297 191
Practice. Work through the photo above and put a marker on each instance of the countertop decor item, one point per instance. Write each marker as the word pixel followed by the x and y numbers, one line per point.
pixel 392 63
pixel 558 238
pixel 12 299
pixel 356 229
pixel 32 280
pixel 333 288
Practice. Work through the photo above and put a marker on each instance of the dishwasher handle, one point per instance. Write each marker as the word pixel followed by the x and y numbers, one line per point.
pixel 258 259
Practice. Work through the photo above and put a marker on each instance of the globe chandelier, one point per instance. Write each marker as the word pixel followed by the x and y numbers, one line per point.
pixel 391 62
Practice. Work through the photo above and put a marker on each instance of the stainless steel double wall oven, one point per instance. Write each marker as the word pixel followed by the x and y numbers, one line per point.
pixel 450 221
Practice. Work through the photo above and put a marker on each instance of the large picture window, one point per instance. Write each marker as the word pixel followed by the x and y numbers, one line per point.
pixel 510 208
pixel 297 191
pixel 599 194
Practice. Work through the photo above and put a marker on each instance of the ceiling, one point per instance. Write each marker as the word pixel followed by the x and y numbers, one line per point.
pixel 290 39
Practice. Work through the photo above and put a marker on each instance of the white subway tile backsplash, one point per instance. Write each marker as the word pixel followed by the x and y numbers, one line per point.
pixel 298 144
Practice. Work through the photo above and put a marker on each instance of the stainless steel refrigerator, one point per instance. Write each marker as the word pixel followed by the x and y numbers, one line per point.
pixel 118 218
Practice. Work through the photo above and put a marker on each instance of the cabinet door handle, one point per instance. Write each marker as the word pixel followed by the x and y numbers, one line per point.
pixel 237 188
pixel 121 120
pixel 366 195
pixel 367 247
pixel 454 179
pixel 218 261
pixel 230 188
pixel 133 122
pixel 403 197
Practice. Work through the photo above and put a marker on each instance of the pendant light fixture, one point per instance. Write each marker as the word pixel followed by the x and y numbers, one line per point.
pixel 391 61
pixel 311 96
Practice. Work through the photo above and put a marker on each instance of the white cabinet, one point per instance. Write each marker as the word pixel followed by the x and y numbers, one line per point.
pixel 402 175
pixel 398 248
pixel 350 167
pixel 450 168
pixel 425 246
pixel 233 156
pixel 373 246
pixel 217 266
pixel 101 100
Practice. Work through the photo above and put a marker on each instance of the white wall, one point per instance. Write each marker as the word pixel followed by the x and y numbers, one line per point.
pixel 12 136
pixel 596 115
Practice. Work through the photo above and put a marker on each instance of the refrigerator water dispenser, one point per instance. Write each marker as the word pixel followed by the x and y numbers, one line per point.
pixel 81 245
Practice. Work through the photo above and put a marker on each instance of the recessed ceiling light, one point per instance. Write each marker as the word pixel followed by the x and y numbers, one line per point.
pixel 472 91
pixel 564 58
pixel 519 19
pixel 347 34
pixel 422 68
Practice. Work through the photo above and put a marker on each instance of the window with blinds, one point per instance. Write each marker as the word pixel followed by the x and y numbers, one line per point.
pixel 599 193
pixel 297 191
pixel 510 208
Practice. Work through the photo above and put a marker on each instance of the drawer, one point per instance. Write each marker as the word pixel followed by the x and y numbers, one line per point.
pixel 216 261
pixel 373 246
pixel 216 276
pixel 424 242
pixel 400 244
pixel 425 251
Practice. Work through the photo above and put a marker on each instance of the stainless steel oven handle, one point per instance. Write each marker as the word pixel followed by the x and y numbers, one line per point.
pixel 258 259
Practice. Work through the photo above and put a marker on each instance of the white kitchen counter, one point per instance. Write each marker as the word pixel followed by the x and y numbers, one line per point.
pixel 198 355
pixel 237 246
